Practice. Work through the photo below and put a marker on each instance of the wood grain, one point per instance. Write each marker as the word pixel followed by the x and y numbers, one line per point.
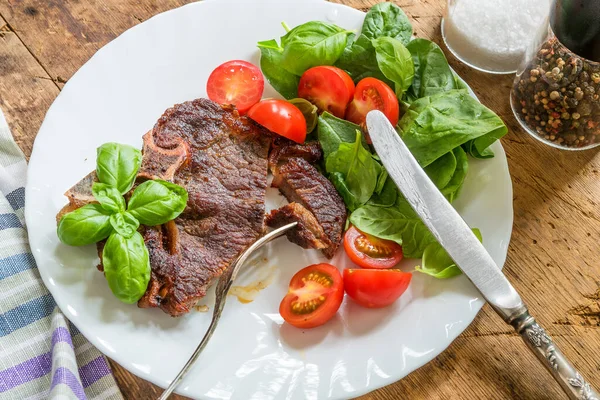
pixel 553 255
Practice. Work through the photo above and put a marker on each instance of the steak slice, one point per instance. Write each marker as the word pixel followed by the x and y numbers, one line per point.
pixel 220 157
pixel 301 182
pixel 226 179
pixel 283 149
pixel 308 233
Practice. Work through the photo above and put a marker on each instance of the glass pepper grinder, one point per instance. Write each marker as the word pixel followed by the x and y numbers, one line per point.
pixel 556 92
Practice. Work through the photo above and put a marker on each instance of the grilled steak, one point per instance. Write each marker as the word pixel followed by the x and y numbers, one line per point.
pixel 284 149
pixel 221 159
pixel 308 233
pixel 301 182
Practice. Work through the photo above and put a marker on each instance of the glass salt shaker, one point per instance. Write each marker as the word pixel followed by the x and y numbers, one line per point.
pixel 492 35
pixel 556 93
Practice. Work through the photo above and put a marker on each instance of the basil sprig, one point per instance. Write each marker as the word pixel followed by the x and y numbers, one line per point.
pixel 155 202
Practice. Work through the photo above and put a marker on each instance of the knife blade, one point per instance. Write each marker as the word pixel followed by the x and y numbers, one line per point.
pixel 455 236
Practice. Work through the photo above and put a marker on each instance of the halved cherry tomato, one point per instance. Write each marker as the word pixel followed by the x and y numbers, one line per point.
pixel 315 294
pixel 236 82
pixel 370 252
pixel 375 288
pixel 329 88
pixel 373 94
pixel 281 117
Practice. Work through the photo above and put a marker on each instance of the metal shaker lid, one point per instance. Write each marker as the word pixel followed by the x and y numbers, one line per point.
pixel 576 23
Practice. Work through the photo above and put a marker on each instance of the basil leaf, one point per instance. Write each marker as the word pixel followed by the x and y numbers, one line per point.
pixel 117 165
pixel 333 131
pixel 157 202
pixel 452 189
pixel 395 62
pixel 109 197
pixel 309 110
pixel 387 19
pixel 437 263
pixel 283 81
pixel 432 72
pixel 126 266
pixel 311 44
pixel 124 224
pixel 437 124
pixel 358 168
pixel 359 61
pixel 86 225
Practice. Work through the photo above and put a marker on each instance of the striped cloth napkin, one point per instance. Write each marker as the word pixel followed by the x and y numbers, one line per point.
pixel 42 355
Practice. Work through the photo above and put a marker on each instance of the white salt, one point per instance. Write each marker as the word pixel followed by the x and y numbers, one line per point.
pixel 493 34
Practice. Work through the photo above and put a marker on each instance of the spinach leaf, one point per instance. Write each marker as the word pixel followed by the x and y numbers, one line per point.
pixel 452 189
pixel 117 165
pixel 311 44
pixel 442 170
pixel 387 19
pixel 359 61
pixel 124 224
pixel 86 225
pixel 109 197
pixel 479 148
pixel 358 168
pixel 283 81
pixel 432 72
pixel 157 202
pixel 310 112
pixel 126 266
pixel 350 200
pixel 333 131
pixel 381 180
pixel 437 263
pixel 437 124
pixel 398 223
pixel 388 195
pixel 395 61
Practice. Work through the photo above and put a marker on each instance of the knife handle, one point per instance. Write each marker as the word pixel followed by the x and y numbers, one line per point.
pixel 542 345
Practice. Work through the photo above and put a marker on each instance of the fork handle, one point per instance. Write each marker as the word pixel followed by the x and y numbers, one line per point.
pixel 542 345
pixel 209 332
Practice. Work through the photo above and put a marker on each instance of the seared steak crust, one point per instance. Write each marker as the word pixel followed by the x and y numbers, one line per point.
pixel 307 234
pixel 301 182
pixel 226 179
pixel 283 149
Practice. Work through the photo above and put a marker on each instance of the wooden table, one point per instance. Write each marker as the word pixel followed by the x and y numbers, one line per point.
pixel 553 259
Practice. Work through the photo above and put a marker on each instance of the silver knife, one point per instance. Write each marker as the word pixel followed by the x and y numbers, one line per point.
pixel 453 233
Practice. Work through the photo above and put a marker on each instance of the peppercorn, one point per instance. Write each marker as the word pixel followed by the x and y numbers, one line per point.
pixel 558 95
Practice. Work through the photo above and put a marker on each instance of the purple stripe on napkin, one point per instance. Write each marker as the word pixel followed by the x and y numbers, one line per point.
pixel 61 334
pixel 25 372
pixel 94 370
pixel 63 375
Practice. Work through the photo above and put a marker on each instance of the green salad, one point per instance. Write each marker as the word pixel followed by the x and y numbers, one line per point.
pixel 440 122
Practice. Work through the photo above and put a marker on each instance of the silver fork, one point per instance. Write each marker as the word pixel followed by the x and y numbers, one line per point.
pixel 222 288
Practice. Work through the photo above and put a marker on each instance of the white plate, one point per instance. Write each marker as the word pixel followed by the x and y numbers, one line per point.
pixel 117 96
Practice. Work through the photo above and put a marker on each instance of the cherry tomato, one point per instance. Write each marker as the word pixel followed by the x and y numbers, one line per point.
pixel 314 296
pixel 370 252
pixel 329 88
pixel 373 94
pixel 375 288
pixel 281 117
pixel 236 82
